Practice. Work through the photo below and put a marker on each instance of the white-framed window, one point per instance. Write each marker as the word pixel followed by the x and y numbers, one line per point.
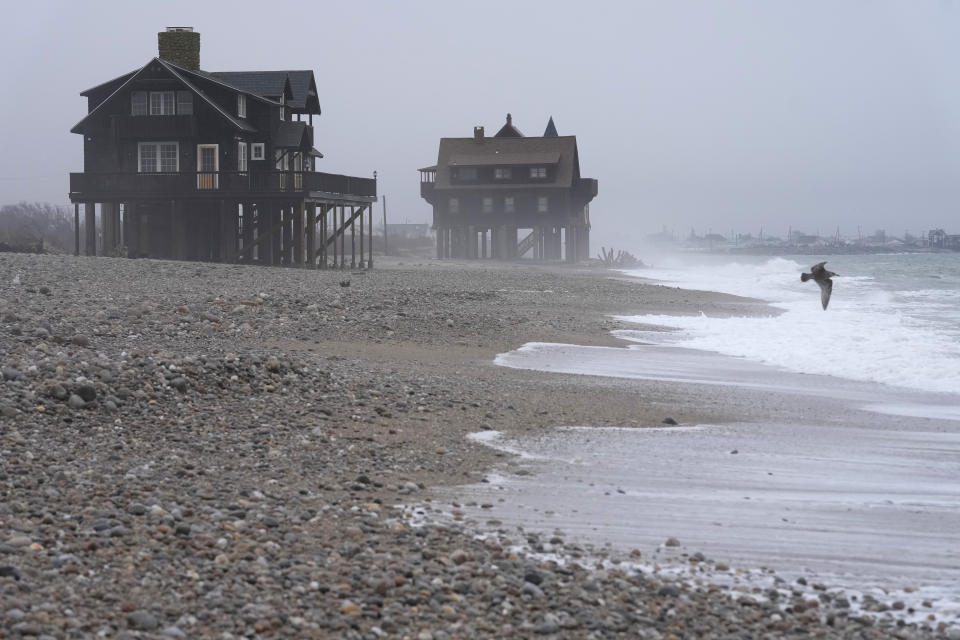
pixel 257 151
pixel 538 172
pixel 241 105
pixel 542 204
pixel 162 157
pixel 454 205
pixel 138 103
pixel 283 160
pixel 283 108
pixel 508 205
pixel 184 103
pixel 488 205
pixel 162 103
pixel 241 156
pixel 502 173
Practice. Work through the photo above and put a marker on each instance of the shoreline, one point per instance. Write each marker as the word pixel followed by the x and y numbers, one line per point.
pixel 198 448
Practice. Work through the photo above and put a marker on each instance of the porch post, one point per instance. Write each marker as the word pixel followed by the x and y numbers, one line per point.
pixel 298 229
pixel 343 236
pixel 312 235
pixel 370 234
pixel 76 228
pixel 353 238
pixel 361 235
pixel 90 223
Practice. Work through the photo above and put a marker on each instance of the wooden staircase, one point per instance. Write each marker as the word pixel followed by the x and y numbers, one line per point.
pixel 527 243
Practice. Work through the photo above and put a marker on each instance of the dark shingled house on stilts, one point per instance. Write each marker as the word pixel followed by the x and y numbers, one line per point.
pixel 485 190
pixel 193 165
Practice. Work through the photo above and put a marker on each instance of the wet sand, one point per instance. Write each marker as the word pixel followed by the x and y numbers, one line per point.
pixel 851 484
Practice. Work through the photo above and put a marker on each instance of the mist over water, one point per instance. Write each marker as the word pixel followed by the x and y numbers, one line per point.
pixel 893 319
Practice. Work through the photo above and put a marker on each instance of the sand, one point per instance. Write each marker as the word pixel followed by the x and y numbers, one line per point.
pixel 201 450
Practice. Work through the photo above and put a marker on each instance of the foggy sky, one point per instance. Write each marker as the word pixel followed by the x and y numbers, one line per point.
pixel 713 115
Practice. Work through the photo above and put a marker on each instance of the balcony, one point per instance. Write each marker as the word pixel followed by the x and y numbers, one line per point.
pixel 97 187
pixel 586 188
pixel 426 191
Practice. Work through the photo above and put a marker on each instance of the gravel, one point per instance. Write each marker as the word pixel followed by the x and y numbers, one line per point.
pixel 199 450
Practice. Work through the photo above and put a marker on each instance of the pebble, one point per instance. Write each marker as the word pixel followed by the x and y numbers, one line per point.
pixel 142 620
pixel 238 458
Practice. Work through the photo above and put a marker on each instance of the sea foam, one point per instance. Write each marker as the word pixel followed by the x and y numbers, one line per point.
pixel 871 332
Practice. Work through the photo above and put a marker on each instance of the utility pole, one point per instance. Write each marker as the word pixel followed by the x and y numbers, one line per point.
pixel 385 252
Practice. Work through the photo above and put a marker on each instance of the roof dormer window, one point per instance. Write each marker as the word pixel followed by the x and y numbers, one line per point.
pixel 538 173
pixel 241 105
pixel 502 173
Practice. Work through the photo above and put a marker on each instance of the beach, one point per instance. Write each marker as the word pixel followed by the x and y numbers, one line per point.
pixel 207 450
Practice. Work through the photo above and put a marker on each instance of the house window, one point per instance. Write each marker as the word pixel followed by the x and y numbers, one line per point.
pixel 488 205
pixel 184 103
pixel 283 161
pixel 138 103
pixel 467 173
pixel 538 172
pixel 454 205
pixel 162 103
pixel 241 105
pixel 283 109
pixel 508 205
pixel 502 173
pixel 163 157
pixel 241 156
pixel 542 204
pixel 256 151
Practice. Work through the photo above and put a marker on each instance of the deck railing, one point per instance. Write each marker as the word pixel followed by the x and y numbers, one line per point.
pixel 232 182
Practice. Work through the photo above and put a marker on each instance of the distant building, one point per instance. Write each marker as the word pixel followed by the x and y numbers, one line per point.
pixel 188 164
pixel 485 190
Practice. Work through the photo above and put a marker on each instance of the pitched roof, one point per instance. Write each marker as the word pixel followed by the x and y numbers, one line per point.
pixel 487 160
pixel 299 86
pixel 290 135
pixel 176 72
pixel 508 130
pixel 118 81
pixel 561 151
pixel 269 84
pixel 551 130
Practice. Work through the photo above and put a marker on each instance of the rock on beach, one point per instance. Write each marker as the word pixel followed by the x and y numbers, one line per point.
pixel 182 457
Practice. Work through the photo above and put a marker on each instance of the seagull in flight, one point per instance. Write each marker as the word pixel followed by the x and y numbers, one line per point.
pixel 822 277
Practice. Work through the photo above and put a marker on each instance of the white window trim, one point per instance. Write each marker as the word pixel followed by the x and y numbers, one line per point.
pixel 173 103
pixel 257 151
pixel 543 204
pixel 156 147
pixel 241 105
pixel 509 204
pixel 243 158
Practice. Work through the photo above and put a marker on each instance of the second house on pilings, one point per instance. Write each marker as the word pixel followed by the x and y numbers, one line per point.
pixel 510 196
pixel 217 166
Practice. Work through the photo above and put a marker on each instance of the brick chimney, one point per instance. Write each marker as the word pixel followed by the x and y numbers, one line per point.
pixel 181 46
pixel 478 134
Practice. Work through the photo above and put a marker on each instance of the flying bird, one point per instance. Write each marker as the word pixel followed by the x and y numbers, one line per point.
pixel 822 277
